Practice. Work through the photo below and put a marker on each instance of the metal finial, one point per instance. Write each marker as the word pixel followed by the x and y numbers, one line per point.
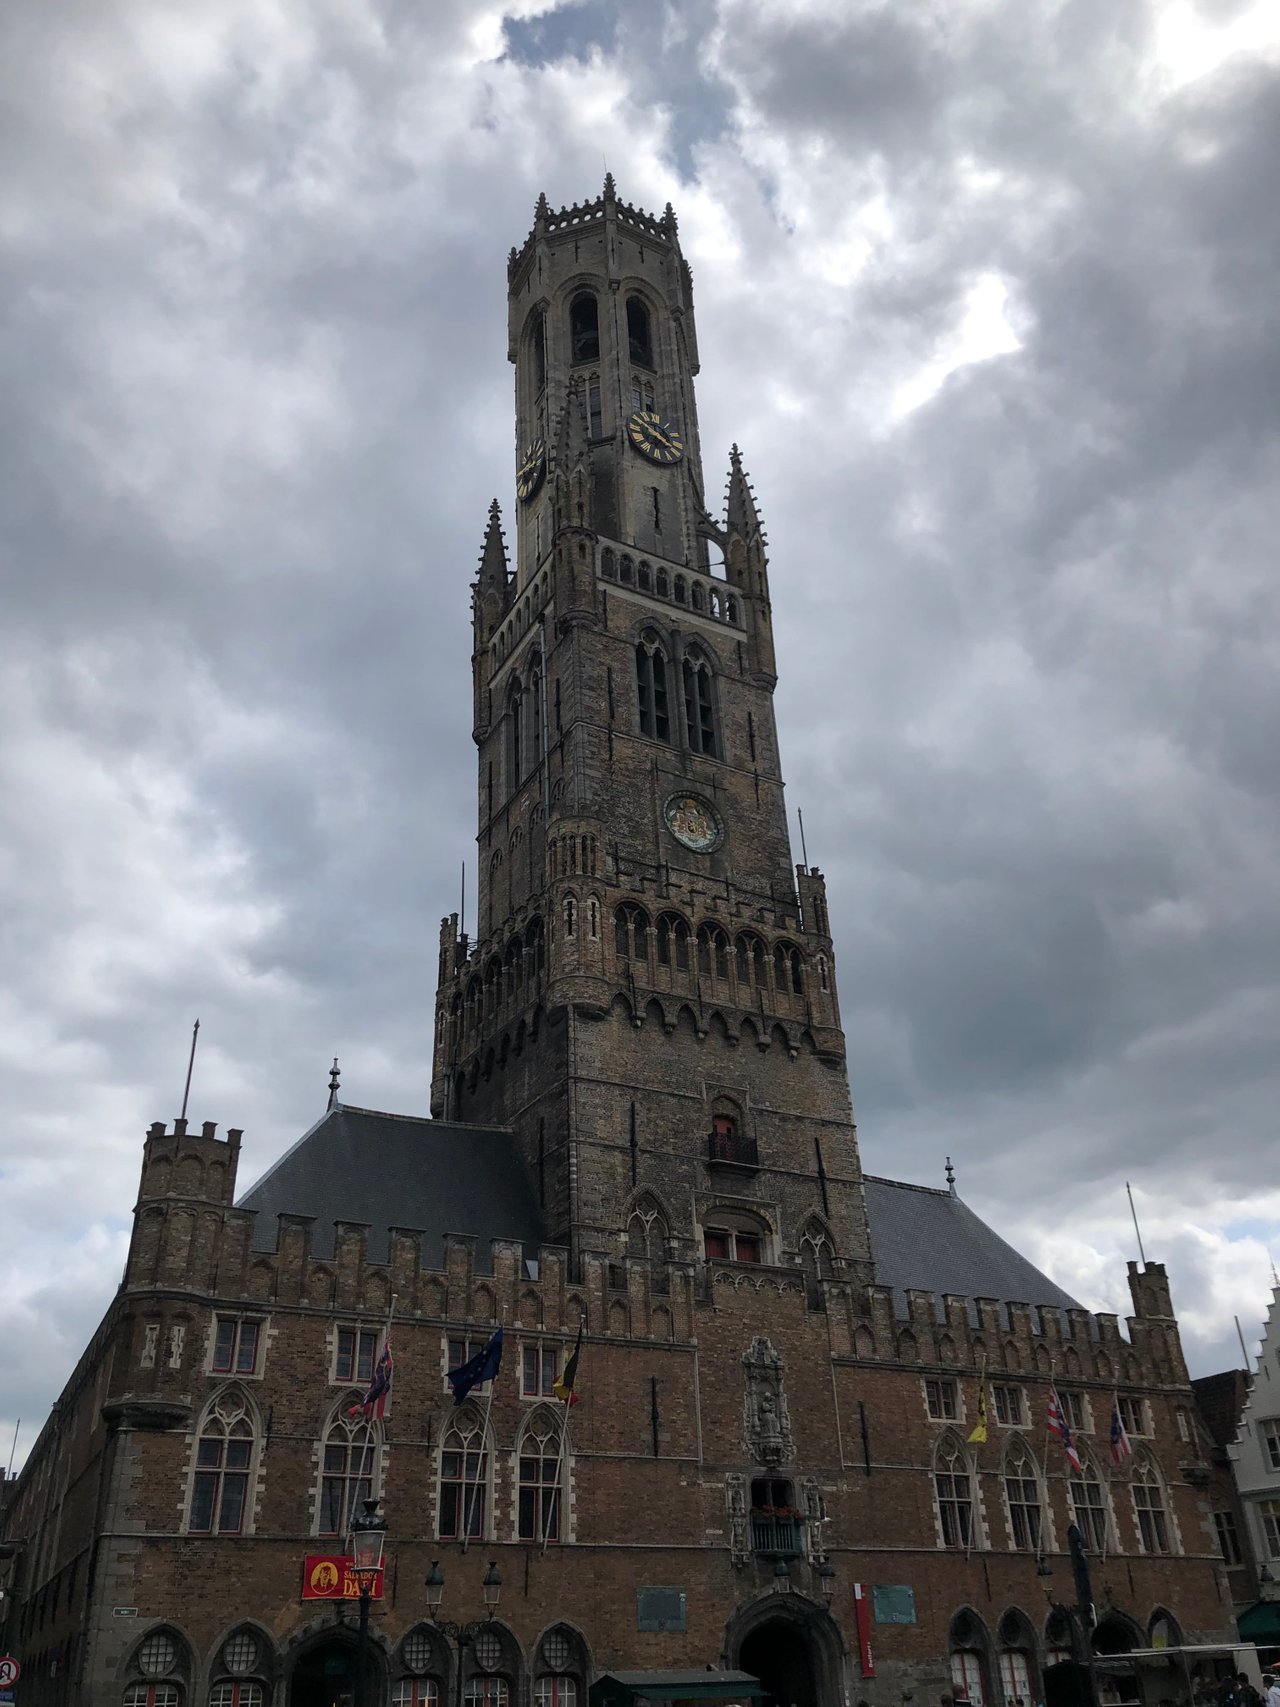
pixel 951 1177
pixel 333 1084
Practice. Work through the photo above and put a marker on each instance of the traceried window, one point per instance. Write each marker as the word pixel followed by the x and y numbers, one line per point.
pixel 584 329
pixel 1089 1507
pixel 538 1460
pixel 1148 1506
pixel 940 1399
pixel 699 712
pixel 224 1457
pixel 639 333
pixel 240 1653
pixel 157 1654
pixel 348 1460
pixel 355 1355
pixel 651 688
pixel 235 1345
pixel 953 1486
pixel 1022 1490
pixel 464 1478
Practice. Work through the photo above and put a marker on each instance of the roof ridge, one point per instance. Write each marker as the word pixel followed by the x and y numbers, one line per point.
pixel 908 1185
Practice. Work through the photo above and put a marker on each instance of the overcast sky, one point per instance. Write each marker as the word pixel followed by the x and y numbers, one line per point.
pixel 987 293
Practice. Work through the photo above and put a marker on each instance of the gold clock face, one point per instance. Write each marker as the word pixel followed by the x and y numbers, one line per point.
pixel 533 465
pixel 655 438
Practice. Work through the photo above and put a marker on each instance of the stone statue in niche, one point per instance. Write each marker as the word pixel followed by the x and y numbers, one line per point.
pixel 735 1491
pixel 768 1422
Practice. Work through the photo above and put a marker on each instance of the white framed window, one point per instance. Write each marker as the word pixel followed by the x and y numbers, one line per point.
pixel 953 1488
pixel 1269 1511
pixel 1022 1491
pixel 1148 1506
pixel 1009 1406
pixel 1089 1508
pixel 487 1692
pixel 966 1677
pixel 355 1352
pixel 1015 1678
pixel 464 1478
pixel 1133 1413
pixel 538 1465
pixel 1075 1409
pixel 1269 1437
pixel 349 1456
pixel 940 1399
pixel 539 1367
pixel 236 1343
pixel 554 1689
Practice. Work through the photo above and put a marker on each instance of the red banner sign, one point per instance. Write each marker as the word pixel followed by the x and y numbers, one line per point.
pixel 862 1613
pixel 328 1576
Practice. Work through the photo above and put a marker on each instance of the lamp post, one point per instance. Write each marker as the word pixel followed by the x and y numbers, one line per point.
pixel 463 1634
pixel 368 1535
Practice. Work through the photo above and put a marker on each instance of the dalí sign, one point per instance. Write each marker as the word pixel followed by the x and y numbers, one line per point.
pixel 328 1576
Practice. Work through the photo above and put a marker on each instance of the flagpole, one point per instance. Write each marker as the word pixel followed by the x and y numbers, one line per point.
pixel 1111 1464
pixel 366 1465
pixel 1053 1387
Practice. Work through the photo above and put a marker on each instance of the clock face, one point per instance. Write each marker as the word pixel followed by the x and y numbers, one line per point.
pixel 655 438
pixel 533 465
pixel 693 823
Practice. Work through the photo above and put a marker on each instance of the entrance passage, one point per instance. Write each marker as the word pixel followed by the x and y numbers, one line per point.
pixel 324 1677
pixel 781 1656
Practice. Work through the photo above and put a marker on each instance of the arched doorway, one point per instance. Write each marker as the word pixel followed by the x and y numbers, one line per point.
pixel 325 1675
pixel 781 1655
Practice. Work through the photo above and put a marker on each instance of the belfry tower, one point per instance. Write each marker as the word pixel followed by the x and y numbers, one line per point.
pixel 650 1001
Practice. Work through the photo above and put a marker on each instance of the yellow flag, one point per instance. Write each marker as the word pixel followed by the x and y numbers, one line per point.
pixel 979 1430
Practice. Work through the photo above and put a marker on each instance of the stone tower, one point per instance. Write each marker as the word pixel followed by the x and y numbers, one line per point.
pixel 650 1002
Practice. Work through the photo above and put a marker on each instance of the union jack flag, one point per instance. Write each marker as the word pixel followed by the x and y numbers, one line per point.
pixel 1058 1425
pixel 1120 1444
pixel 376 1400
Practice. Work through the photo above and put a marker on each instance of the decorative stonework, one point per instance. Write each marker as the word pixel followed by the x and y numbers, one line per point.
pixel 767 1420
pixel 735 1493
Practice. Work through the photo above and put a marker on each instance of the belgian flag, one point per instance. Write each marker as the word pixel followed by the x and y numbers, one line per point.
pixel 563 1388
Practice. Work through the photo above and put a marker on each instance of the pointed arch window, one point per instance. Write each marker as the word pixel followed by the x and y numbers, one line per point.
pixel 1022 1491
pixel 1149 1509
pixel 535 711
pixel 953 1487
pixel 673 942
pixel 647 1241
pixel 584 329
pixel 224 1461
pixel 538 349
pixel 651 688
pixel 713 951
pixel 639 332
pixel 464 1477
pixel 749 952
pixel 349 1458
pixel 631 932
pixel 538 1462
pixel 787 973
pixel 515 754
pixel 1089 1506
pixel 817 1259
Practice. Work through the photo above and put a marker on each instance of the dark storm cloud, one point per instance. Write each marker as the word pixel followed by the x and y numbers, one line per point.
pixel 257 402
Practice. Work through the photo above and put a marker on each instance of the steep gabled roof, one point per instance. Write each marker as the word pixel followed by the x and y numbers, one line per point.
pixel 395 1170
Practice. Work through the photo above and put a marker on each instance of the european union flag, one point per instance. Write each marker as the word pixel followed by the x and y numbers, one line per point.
pixel 482 1367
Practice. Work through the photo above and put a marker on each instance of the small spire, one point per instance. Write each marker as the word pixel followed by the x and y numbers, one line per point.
pixel 610 188
pixel 542 211
pixel 951 1177
pixel 333 1084
pixel 741 515
pixel 669 219
pixel 493 558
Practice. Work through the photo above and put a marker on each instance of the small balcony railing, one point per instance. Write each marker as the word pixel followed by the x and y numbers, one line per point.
pixel 732 1150
pixel 776 1537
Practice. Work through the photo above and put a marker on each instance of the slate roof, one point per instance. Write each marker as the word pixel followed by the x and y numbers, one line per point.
pixel 395 1170
pixel 929 1239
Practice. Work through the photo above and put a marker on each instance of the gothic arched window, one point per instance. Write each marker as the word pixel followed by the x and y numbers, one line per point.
pixel 515 754
pixel 223 1463
pixel 953 1488
pixel 651 687
pixel 647 1232
pixel 584 329
pixel 538 350
pixel 639 332
pixel 1089 1505
pixel 464 1477
pixel 349 1455
pixel 631 932
pixel 817 1259
pixel 1022 1492
pixel 538 1463
pixel 699 713
pixel 535 711
pixel 1149 1508
pixel 673 942
pixel 750 958
pixel 713 951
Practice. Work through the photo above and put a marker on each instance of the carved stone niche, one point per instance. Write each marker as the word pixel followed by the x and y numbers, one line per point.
pixel 767 1420
pixel 735 1493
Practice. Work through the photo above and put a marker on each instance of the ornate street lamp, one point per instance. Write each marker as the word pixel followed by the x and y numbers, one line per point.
pixel 463 1634
pixel 368 1537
